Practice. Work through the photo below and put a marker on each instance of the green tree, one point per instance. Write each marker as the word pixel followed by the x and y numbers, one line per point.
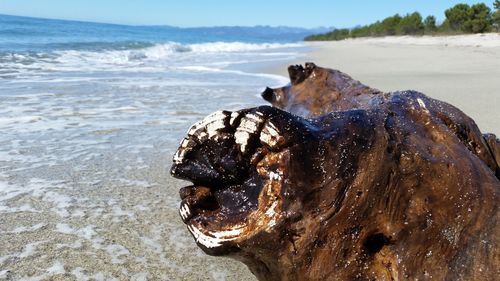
pixel 457 16
pixel 339 34
pixel 430 24
pixel 390 25
pixel 479 19
pixel 362 31
pixel 411 24
pixel 336 34
pixel 376 29
pixel 496 15
pixel 472 19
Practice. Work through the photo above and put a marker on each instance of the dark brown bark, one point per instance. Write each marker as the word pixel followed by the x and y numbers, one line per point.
pixel 339 181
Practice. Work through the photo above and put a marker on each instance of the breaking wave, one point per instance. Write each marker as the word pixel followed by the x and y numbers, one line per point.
pixel 147 51
pixel 128 55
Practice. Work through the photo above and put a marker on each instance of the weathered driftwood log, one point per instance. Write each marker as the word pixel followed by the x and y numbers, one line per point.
pixel 339 181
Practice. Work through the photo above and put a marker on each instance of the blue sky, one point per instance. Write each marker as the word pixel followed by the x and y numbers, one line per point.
pixel 188 13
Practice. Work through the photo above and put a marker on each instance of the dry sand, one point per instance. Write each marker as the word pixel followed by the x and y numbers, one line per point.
pixel 461 70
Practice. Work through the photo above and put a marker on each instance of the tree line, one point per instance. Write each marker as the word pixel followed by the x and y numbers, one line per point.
pixel 461 18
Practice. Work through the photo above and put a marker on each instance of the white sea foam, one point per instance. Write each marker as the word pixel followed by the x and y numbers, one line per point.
pixel 239 46
pixel 160 51
pixel 87 137
pixel 87 232
pixel 198 68
pixel 30 249
pixel 75 245
pixel 56 268
pixel 79 273
pixel 141 276
pixel 152 244
pixel 116 251
pixel 22 229
pixel 157 57
pixel 17 209
pixel 281 80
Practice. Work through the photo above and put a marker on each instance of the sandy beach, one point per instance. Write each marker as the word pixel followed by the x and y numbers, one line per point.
pixel 461 70
pixel 85 192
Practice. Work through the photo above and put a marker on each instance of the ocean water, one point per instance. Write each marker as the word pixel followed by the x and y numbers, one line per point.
pixel 90 115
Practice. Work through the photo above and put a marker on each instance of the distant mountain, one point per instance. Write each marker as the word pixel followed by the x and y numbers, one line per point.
pixel 264 29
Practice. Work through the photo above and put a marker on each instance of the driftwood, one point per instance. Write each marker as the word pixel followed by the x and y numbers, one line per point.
pixel 339 181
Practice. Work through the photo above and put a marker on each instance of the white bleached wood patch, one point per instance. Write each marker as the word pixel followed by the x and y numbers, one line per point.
pixel 182 151
pixel 208 127
pixel 234 115
pixel 249 125
pixel 184 211
pixel 270 135
pixel 215 239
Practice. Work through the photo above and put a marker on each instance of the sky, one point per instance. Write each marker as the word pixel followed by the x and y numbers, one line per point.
pixel 190 13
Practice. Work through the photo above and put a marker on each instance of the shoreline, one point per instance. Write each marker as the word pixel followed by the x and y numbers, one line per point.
pixel 447 68
pixel 459 40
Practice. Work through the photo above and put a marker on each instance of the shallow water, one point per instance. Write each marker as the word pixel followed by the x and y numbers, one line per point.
pixel 86 144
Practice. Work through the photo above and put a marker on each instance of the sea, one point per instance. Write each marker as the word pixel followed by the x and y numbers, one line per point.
pixel 90 116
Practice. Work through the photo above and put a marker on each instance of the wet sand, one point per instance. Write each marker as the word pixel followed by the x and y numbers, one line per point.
pixel 461 70
pixel 85 192
pixel 91 199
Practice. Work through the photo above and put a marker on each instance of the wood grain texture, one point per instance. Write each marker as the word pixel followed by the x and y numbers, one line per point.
pixel 373 186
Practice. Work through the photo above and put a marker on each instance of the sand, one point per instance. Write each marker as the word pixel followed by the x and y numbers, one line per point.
pixel 111 212
pixel 461 70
